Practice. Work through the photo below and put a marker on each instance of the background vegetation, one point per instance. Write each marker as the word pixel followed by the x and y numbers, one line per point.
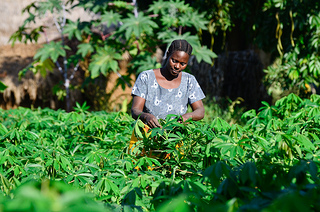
pixel 287 32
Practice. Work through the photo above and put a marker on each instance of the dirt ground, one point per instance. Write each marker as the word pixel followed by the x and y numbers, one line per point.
pixel 14 59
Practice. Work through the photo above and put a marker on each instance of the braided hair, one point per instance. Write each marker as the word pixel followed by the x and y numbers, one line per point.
pixel 180 45
pixel 177 45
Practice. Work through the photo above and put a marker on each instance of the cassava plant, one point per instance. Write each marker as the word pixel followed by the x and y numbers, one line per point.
pixel 269 162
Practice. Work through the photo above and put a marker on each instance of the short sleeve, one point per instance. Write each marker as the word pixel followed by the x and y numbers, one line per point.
pixel 194 90
pixel 140 87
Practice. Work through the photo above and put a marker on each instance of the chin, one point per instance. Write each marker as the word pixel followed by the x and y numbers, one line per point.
pixel 175 73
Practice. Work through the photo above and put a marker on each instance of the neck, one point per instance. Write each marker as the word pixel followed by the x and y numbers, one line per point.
pixel 166 74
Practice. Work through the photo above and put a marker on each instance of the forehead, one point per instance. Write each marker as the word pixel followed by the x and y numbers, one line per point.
pixel 180 56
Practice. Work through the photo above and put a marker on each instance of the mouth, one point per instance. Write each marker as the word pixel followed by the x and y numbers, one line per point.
pixel 175 71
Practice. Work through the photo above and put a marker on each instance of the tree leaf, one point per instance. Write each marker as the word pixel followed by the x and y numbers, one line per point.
pixel 2 86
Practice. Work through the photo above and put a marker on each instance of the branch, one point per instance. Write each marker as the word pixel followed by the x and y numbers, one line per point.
pixel 64 15
pixel 120 76
pixel 47 41
pixel 75 69
pixel 135 10
pixel 57 24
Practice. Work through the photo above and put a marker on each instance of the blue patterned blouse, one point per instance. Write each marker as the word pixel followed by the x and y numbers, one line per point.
pixel 161 101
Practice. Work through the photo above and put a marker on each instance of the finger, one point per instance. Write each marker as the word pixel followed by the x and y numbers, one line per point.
pixel 157 124
pixel 152 124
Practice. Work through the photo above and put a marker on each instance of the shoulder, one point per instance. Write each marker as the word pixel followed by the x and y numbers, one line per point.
pixel 146 74
pixel 189 77
pixel 147 71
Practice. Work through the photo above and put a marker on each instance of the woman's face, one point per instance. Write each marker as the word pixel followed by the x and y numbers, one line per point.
pixel 177 62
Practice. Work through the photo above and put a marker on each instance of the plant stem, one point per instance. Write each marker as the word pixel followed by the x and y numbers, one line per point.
pixel 60 26
pixel 135 10
pixel 120 76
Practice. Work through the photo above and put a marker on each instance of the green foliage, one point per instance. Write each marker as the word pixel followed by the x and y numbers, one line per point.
pixel 221 17
pixel 203 53
pixel 110 18
pixel 288 31
pixel 136 26
pixel 147 63
pixel 131 29
pixel 22 36
pixel 77 29
pixel 2 86
pixel 51 50
pixel 298 42
pixel 269 162
pixel 105 60
pixel 229 111
pixel 103 41
pixel 50 196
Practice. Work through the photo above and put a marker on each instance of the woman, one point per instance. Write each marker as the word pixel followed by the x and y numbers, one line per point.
pixel 167 90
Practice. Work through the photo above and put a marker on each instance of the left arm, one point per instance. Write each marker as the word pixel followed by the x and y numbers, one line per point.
pixel 197 112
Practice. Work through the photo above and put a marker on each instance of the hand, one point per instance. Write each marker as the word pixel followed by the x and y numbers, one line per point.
pixel 150 120
pixel 197 112
pixel 185 117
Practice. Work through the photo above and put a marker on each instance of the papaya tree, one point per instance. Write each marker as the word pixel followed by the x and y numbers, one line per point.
pixel 118 28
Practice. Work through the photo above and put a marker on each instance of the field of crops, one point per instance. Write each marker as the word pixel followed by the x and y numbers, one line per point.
pixel 78 161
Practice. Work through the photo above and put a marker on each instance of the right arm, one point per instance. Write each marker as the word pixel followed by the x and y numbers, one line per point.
pixel 137 110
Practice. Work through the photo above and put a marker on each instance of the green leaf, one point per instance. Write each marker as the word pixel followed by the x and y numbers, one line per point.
pixel 49 5
pixel 51 50
pixel 159 6
pixel 220 124
pixel 195 19
pixel 177 204
pixel 170 21
pixel 3 129
pixel 137 26
pixel 144 61
pixel 16 171
pixel 2 86
pixel 84 49
pixel 114 188
pixel 56 165
pixel 77 29
pixel 40 66
pixel 203 53
pixel 192 39
pixel 104 61
pixel 305 142
pixel 110 18
pixel 130 198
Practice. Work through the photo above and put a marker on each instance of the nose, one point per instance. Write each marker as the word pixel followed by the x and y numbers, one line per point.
pixel 177 66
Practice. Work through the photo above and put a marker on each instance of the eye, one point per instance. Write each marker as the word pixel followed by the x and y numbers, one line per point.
pixel 173 60
pixel 183 64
